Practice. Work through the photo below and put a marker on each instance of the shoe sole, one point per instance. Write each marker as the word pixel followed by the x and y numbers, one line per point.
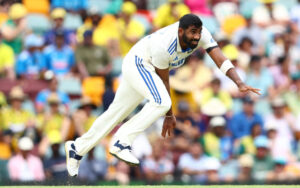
pixel 67 158
pixel 131 164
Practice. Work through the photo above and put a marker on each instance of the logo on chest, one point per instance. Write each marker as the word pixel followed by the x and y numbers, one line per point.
pixel 176 62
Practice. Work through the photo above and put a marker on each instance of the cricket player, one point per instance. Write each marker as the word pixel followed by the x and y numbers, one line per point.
pixel 145 72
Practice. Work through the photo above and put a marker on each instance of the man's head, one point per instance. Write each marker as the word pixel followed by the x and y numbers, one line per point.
pixel 278 104
pixel 190 27
pixel 255 63
pixel 218 124
pixel 262 146
pixel 58 16
pixel 88 38
pixel 196 150
pixel 216 85
pixel 248 105
pixel 128 9
pixel 25 145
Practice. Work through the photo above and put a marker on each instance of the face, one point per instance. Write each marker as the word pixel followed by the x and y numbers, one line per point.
pixel 261 152
pixel 88 40
pixel 54 107
pixel 278 111
pixel 16 103
pixel 59 40
pixel 248 108
pixel 256 130
pixel 196 150
pixel 53 84
pixel 219 131
pixel 190 36
pixel 215 87
pixel 58 22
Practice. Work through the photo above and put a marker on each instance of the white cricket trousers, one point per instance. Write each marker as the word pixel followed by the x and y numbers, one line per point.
pixel 139 81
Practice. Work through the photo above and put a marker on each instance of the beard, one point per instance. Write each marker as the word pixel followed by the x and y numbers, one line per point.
pixel 189 43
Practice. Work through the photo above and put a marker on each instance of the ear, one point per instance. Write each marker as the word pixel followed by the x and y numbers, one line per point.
pixel 180 31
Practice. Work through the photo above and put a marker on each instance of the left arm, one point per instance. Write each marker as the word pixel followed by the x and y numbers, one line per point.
pixel 218 57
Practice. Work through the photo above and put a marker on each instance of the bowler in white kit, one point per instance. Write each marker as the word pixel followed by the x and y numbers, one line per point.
pixel 145 74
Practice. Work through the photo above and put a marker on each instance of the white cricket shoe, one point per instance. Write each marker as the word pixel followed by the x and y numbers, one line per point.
pixel 72 158
pixel 123 152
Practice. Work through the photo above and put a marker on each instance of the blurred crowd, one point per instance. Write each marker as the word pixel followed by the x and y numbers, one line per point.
pixel 60 65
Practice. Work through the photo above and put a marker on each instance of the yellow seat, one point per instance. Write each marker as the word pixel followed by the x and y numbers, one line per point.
pixel 3 17
pixel 94 88
pixel 37 6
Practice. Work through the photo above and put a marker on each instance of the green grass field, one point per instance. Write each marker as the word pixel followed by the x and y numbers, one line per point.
pixel 167 186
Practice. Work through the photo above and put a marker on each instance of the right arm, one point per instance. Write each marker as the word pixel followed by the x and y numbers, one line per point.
pixel 170 120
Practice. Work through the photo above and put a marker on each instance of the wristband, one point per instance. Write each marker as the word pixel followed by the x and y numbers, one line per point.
pixel 226 65
pixel 168 116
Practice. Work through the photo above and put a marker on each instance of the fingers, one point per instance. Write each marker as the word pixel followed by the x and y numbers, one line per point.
pixel 163 132
pixel 254 90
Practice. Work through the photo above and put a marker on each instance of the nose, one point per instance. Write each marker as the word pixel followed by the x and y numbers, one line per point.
pixel 197 36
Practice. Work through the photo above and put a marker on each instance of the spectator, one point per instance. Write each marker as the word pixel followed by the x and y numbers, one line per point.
pixel 91 23
pixel 31 62
pixel 55 165
pixel 285 127
pixel 280 172
pixel 83 117
pixel 259 76
pixel 158 167
pixel 252 32
pixel 6 153
pixel 293 94
pixel 169 13
pixel 246 164
pixel 58 16
pixel 92 60
pixel 247 142
pixel 246 49
pixel 270 14
pixel 212 166
pixel 14 28
pixel 25 166
pixel 263 162
pixel 15 117
pixel 215 142
pixel 130 29
pixel 59 57
pixel 2 102
pixel 281 75
pixel 7 60
pixel 240 124
pixel 185 123
pixel 192 164
pixel 280 148
pixel 53 121
pixel 214 91
pixel 92 169
pixel 42 96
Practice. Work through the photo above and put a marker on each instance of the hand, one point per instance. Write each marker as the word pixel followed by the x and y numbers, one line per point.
pixel 168 126
pixel 244 88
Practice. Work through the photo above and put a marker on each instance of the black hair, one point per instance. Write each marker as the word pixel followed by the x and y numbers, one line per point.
pixel 245 39
pixel 282 59
pixel 188 20
pixel 255 58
